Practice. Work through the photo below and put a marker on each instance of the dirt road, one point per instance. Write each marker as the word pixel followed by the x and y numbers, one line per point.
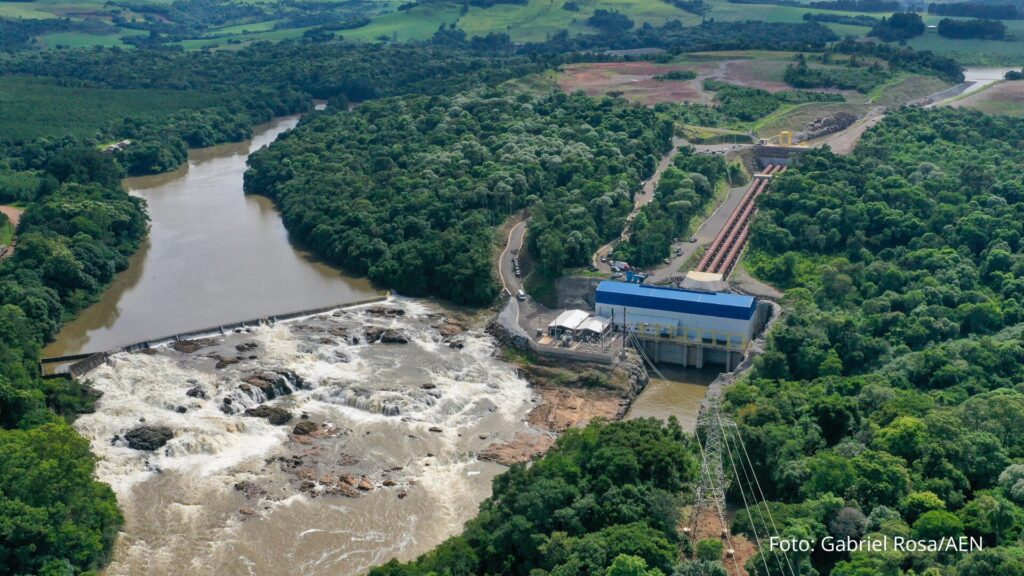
pixel 640 200
pixel 14 215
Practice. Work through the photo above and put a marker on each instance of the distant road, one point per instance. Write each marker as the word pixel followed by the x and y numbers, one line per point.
pixel 14 215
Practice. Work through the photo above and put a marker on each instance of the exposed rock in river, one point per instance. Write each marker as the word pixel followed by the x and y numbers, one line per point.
pixel 148 437
pixel 304 428
pixel 190 346
pixel 385 335
pixel 196 392
pixel 522 448
pixel 273 414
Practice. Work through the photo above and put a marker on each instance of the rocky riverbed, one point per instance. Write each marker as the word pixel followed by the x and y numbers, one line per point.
pixel 329 444
pixel 323 445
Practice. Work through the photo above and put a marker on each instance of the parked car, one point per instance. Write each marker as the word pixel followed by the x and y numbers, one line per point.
pixel 617 275
pixel 604 258
pixel 520 294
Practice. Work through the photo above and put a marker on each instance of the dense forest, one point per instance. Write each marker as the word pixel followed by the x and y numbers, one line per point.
pixel 676 38
pixel 253 85
pixel 78 231
pixel 604 502
pixel 899 26
pixel 684 192
pixel 858 20
pixel 894 385
pixel 962 29
pixel 409 190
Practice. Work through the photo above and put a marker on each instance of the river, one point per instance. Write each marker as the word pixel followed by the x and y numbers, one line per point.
pixel 680 396
pixel 213 256
pixel 234 494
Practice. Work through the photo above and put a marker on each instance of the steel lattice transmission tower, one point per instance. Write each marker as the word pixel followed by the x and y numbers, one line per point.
pixel 710 497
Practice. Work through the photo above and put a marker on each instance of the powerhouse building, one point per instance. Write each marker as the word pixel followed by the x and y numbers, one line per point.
pixel 709 319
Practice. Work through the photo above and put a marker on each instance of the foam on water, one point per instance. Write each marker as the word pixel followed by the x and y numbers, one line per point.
pixel 389 401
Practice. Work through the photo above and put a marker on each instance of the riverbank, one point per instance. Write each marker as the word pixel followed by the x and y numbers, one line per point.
pixel 569 395
pixel 323 445
pixel 213 256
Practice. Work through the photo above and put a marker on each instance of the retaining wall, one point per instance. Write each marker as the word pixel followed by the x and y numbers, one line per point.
pixel 90 360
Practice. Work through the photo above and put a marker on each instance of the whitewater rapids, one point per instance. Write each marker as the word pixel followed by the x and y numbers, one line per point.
pixel 225 496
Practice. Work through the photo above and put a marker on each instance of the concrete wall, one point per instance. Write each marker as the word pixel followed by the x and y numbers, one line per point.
pixel 689 354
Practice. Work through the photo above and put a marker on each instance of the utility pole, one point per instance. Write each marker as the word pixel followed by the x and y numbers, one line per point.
pixel 711 490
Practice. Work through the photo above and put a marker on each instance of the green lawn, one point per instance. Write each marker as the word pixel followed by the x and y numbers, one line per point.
pixel 243 39
pixel 6 233
pixel 977 52
pixel 415 24
pixel 541 18
pixel 36 107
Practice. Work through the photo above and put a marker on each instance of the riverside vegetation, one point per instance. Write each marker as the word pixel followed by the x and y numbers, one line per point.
pixel 889 401
pixel 452 152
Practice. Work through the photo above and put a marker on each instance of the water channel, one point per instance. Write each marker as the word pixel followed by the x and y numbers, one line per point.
pixel 213 256
pixel 234 494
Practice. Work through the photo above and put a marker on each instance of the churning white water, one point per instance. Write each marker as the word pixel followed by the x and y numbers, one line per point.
pixel 388 470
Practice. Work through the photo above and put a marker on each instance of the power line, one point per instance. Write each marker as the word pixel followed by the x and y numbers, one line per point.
pixel 710 492
pixel 768 532
pixel 757 483
pixel 753 528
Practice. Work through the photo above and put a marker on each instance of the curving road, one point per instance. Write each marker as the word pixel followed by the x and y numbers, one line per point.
pixel 513 245
pixel 640 200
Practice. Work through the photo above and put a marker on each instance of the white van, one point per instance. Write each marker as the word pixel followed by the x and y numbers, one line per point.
pixel 520 294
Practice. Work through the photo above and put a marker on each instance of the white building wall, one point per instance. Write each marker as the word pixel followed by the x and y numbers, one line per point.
pixel 691 322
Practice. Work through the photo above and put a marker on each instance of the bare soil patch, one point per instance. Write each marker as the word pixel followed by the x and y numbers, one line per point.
pixel 635 80
pixel 1003 98
pixel 13 214
pixel 763 74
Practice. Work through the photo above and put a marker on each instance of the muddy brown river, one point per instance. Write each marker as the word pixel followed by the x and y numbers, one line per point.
pixel 213 256
pixel 680 396
pixel 387 467
pixel 390 469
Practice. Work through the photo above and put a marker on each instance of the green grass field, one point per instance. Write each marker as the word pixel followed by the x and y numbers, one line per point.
pixel 6 232
pixel 36 107
pixel 976 52
pixel 418 23
pixel 534 21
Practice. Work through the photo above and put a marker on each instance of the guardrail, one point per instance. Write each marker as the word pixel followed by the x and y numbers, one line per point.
pixel 83 363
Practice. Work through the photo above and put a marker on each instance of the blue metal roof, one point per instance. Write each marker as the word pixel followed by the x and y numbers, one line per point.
pixel 720 304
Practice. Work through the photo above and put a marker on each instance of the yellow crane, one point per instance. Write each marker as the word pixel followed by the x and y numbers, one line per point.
pixel 784 138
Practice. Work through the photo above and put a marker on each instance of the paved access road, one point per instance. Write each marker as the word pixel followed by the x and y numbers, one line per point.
pixel 640 200
pixel 506 270
pixel 704 235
